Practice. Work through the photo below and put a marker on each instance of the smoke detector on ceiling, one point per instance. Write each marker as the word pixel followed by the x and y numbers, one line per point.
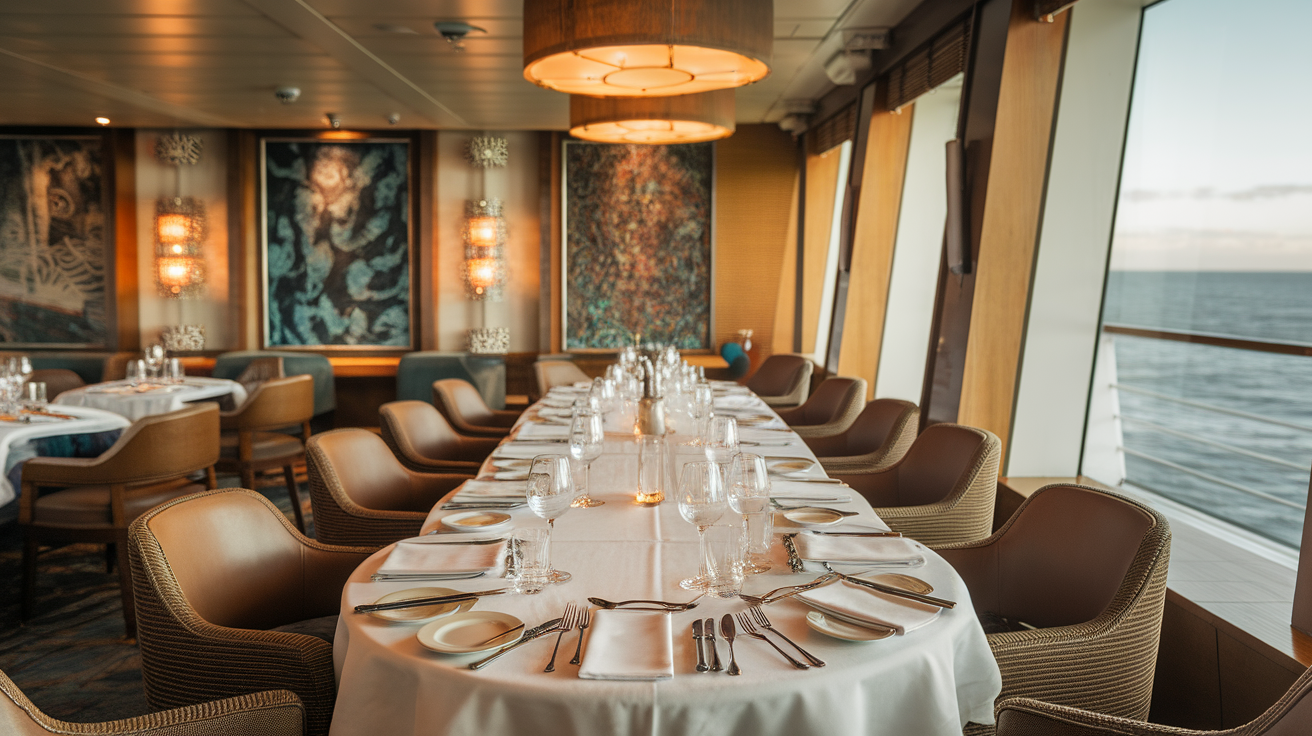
pixel 287 95
pixel 455 31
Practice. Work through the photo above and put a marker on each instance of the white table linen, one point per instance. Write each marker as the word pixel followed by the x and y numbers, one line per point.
pixel 12 434
pixel 163 400
pixel 930 681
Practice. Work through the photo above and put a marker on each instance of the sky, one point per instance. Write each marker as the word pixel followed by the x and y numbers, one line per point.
pixel 1218 164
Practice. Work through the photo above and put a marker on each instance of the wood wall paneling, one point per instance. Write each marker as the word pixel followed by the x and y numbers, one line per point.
pixel 426 265
pixel 1013 212
pixel 1187 683
pixel 554 285
pixel 872 245
pixel 127 292
pixel 1250 682
pixel 785 316
pixel 821 189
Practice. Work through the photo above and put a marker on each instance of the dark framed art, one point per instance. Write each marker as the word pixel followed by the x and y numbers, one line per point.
pixel 337 243
pixel 56 242
pixel 638 245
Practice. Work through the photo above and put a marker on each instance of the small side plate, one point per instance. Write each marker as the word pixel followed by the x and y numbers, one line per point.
pixel 813 516
pixel 789 465
pixel 421 614
pixel 464 633
pixel 476 521
pixel 840 630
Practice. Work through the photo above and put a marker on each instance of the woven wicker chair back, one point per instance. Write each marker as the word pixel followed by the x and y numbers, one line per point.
pixel 777 376
pixel 557 373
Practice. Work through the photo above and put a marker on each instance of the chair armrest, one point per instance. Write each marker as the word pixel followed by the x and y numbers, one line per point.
pixel 429 488
pixel 977 564
pixel 326 569
pixel 57 471
pixel 476 449
pixel 269 713
pixel 505 417
pixel 1023 716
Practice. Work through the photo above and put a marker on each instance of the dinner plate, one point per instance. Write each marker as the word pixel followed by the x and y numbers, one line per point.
pixel 905 582
pixel 464 633
pixel 420 614
pixel 789 465
pixel 476 521
pixel 810 516
pixel 830 626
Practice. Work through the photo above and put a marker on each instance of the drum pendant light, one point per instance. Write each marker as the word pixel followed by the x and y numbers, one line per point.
pixel 646 48
pixel 706 116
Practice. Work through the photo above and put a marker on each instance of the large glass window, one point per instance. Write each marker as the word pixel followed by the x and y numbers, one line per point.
pixel 1213 237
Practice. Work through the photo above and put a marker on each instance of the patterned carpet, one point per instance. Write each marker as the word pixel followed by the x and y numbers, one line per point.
pixel 72 659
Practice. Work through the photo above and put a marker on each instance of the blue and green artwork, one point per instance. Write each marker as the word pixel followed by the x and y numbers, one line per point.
pixel 337 243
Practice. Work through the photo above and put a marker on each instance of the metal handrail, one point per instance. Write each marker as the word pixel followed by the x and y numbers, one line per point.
pixel 1283 347
pixel 1213 478
pixel 1212 407
pixel 1218 445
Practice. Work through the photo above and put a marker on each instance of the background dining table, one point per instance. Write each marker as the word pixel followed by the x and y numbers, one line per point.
pixel 17 436
pixel 135 402
pixel 929 681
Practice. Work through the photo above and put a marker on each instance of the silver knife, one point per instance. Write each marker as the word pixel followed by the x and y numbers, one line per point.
pixel 536 632
pixel 431 601
pixel 890 590
pixel 697 637
pixel 854 534
pixel 708 629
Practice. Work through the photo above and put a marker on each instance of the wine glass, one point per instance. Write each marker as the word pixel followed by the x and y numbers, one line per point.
pixel 154 355
pixel 25 368
pixel 700 408
pixel 721 442
pixel 550 493
pixel 701 503
pixel 603 392
pixel 586 439
pixel 749 495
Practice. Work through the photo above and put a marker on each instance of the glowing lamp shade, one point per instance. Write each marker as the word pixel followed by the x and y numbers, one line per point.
pixel 483 274
pixel 178 274
pixel 174 231
pixel 646 48
pixel 482 232
pixel 707 116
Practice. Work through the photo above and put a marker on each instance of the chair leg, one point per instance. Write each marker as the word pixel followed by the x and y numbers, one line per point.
pixel 125 585
pixel 109 557
pixel 211 479
pixel 294 491
pixel 248 478
pixel 30 550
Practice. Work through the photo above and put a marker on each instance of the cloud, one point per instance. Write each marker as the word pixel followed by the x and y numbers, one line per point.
pixel 1266 191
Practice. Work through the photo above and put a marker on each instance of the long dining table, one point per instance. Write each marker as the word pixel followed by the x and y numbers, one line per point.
pixel 931 680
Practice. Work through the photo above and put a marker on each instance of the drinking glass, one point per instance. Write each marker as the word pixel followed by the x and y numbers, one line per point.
pixel 550 493
pixel 701 503
pixel 173 372
pixel 36 395
pixel 653 472
pixel 721 442
pixel 723 560
pixel 24 367
pixel 6 388
pixel 749 495
pixel 154 355
pixel 603 392
pixel 700 408
pixel 530 554
pixel 586 439
pixel 136 372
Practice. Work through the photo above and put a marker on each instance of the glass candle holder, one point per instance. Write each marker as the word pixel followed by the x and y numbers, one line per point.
pixel 651 470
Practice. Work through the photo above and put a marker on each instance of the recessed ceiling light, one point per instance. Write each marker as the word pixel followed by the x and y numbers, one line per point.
pixel 102 120
pixel 395 28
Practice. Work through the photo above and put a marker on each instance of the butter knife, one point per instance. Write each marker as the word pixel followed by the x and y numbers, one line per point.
pixel 708 628
pixel 433 601
pixel 899 592
pixel 537 632
pixel 697 637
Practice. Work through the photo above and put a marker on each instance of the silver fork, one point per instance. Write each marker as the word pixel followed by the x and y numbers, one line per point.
pixel 568 621
pixel 748 629
pixel 759 616
pixel 585 620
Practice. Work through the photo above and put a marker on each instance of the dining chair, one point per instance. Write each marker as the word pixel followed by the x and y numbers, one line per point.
pixel 251 442
pixel 363 495
pixel 269 713
pixel 1073 587
pixel 258 371
pixel 830 410
pixel 1290 716
pixel 232 599
pixel 57 380
pixel 464 407
pixel 153 461
pixel 782 380
pixel 942 491
pixel 116 366
pixel 424 441
pixel 879 436
pixel 557 373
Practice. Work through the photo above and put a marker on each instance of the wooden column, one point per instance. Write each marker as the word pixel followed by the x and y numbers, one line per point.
pixel 125 306
pixel 865 104
pixel 427 266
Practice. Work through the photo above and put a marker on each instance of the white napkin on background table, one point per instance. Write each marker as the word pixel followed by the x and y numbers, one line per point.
pixel 482 490
pixel 869 606
pixel 422 555
pixel 530 449
pixel 534 431
pixel 891 551
pixel 629 645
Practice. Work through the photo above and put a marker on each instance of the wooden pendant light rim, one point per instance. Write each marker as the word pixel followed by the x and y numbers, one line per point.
pixel 714 108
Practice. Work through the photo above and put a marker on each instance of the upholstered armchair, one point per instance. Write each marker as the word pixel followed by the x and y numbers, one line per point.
pixel 557 373
pixel 363 495
pixel 782 380
pixel 1076 580
pixel 830 410
pixel 224 587
pixel 423 440
pixel 464 407
pixel 942 491
pixel 252 443
pixel 879 436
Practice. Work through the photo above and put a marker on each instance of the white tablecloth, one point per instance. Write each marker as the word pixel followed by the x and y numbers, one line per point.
pixel 88 420
pixel 931 681
pixel 112 396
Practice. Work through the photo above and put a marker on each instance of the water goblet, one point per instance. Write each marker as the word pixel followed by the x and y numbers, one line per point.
pixel 135 372
pixel 721 442
pixel 550 493
pixel 749 495
pixel 701 503
pixel 586 440
pixel 700 408
pixel 154 356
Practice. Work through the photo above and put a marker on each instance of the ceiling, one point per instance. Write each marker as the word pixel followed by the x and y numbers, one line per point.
pixel 164 63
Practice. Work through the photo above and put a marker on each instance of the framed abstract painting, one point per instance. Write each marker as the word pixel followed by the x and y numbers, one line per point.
pixel 56 266
pixel 638 244
pixel 337 241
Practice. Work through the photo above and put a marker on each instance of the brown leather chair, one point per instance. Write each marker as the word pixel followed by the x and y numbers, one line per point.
pixel 782 380
pixel 879 436
pixel 363 495
pixel 943 490
pixel 224 586
pixel 57 381
pixel 251 442
pixel 258 371
pixel 1290 716
pixel 423 440
pixel 116 366
pixel 830 410
pixel 464 407
pixel 557 373
pixel 152 462
pixel 1076 579
pixel 271 713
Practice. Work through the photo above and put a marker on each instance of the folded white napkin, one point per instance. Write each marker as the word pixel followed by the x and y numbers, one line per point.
pixel 482 490
pixel 530 449
pixel 508 475
pixel 423 555
pixel 845 600
pixel 887 551
pixel 629 645
pixel 782 487
pixel 563 412
pixel 742 401
pixel 534 431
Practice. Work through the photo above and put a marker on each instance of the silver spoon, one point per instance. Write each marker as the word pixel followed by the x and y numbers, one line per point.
pixel 728 630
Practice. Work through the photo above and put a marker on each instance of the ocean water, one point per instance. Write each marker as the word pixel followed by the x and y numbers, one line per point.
pixel 1275 306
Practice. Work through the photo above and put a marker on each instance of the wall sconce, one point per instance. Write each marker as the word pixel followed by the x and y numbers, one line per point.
pixel 179 235
pixel 485 261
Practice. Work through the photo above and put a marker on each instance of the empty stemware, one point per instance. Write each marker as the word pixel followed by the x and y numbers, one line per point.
pixel 586 440
pixel 550 493
pixel 701 503
pixel 749 495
